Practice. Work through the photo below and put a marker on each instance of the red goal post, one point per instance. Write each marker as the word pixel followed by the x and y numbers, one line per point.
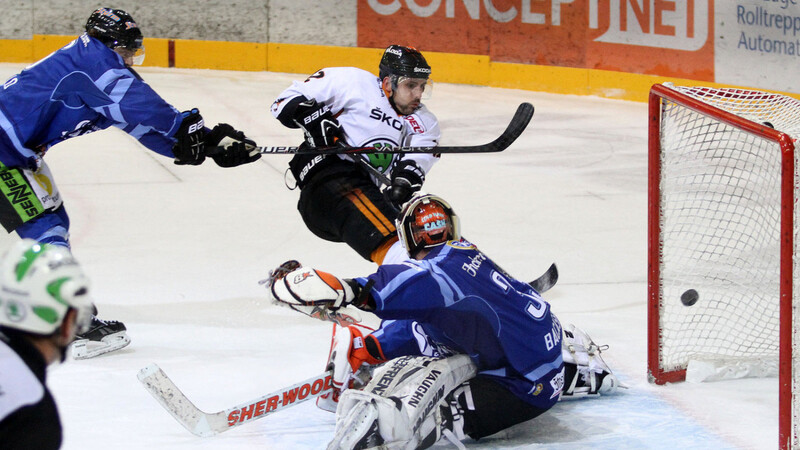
pixel 722 194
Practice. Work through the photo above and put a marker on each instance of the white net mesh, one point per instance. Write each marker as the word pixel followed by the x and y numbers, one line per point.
pixel 720 233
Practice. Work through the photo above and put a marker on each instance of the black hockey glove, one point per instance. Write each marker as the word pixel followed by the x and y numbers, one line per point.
pixel 190 148
pixel 320 127
pixel 407 178
pixel 229 147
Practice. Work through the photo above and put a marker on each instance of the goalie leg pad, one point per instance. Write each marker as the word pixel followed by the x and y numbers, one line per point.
pixel 359 418
pixel 408 396
pixel 585 372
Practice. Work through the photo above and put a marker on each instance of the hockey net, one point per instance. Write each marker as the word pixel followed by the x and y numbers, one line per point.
pixel 723 188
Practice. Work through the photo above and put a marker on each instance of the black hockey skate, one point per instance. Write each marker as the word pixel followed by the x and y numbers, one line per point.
pixel 104 336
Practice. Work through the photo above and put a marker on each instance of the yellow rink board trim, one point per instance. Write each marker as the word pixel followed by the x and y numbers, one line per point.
pixel 306 59
pixel 16 51
pixel 246 56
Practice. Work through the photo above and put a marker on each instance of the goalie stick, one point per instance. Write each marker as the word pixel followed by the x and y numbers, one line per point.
pixel 547 280
pixel 205 424
pixel 542 284
pixel 514 129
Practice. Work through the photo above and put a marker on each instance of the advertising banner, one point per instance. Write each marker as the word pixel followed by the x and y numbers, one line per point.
pixel 658 37
pixel 758 44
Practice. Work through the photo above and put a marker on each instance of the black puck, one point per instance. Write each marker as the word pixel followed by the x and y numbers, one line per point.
pixel 689 297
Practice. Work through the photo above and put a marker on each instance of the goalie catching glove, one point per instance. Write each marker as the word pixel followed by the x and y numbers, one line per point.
pixel 314 293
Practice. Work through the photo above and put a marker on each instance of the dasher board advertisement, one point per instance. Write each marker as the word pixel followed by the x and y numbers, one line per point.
pixel 749 42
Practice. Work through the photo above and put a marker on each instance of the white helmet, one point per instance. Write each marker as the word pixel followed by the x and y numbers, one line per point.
pixel 426 221
pixel 39 283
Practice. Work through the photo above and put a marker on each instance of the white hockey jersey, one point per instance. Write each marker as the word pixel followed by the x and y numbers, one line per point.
pixel 359 103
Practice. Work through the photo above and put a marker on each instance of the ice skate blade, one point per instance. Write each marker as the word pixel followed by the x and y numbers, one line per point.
pixel 85 348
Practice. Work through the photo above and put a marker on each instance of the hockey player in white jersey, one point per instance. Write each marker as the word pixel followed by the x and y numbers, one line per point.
pixel 340 201
pixel 45 302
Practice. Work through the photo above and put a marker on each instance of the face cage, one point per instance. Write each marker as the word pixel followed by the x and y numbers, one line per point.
pixel 417 235
pixel 405 233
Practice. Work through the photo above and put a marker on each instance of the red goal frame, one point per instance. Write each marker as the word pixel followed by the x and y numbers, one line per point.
pixel 656 374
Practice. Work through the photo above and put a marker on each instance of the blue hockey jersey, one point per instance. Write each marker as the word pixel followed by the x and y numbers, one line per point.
pixel 462 302
pixel 80 88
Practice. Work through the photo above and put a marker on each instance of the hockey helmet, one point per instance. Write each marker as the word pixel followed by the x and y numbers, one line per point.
pixel 115 28
pixel 426 221
pixel 39 283
pixel 399 61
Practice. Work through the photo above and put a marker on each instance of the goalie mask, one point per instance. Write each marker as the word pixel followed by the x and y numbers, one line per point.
pixel 426 221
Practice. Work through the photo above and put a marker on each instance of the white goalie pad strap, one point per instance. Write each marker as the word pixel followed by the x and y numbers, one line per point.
pixel 359 419
pixel 405 395
pixel 592 376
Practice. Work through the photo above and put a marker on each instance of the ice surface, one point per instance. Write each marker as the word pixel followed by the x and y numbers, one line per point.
pixel 176 252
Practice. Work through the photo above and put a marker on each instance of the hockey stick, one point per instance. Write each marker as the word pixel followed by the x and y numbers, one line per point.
pixel 547 280
pixel 542 284
pixel 205 424
pixel 514 129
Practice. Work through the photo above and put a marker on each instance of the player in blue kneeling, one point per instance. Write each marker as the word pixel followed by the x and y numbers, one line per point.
pixel 468 349
pixel 89 85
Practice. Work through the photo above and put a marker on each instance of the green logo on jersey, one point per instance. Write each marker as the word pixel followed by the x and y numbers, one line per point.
pixel 381 161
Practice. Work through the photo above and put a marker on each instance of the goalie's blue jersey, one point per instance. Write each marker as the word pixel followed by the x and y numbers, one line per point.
pixel 80 88
pixel 456 300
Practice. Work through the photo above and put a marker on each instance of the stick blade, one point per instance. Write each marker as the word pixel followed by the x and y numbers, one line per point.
pixel 547 280
pixel 161 387
pixel 515 128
